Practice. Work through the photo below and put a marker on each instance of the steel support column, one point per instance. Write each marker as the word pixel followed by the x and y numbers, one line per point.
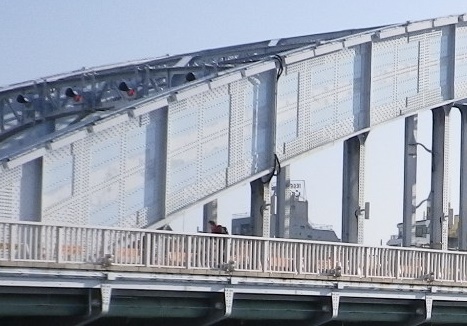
pixel 462 230
pixel 160 180
pixel 283 202
pixel 410 180
pixel 439 178
pixel 209 214
pixel 353 189
pixel 260 208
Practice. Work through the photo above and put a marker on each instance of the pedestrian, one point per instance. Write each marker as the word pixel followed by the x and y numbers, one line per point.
pixel 216 228
pixel 219 245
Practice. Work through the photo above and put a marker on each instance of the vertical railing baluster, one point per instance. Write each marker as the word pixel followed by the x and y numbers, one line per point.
pixel 59 244
pixel 266 255
pixel 300 259
pixel 12 241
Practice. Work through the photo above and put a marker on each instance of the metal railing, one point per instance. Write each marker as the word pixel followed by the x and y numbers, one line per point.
pixel 33 242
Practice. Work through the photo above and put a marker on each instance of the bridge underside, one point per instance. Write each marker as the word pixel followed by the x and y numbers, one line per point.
pixel 130 307
pixel 77 298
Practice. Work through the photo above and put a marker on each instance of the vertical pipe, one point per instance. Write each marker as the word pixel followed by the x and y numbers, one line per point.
pixel 410 180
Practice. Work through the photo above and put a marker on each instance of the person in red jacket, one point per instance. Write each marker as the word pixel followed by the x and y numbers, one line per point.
pixel 217 228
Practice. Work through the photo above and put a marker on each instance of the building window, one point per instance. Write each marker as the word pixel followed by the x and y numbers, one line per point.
pixel 420 230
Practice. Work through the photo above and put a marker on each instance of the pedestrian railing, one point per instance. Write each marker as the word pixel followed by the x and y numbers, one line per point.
pixel 62 244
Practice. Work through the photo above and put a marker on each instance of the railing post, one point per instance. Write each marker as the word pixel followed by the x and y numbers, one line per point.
pixel 59 245
pixel 428 263
pixel 188 252
pixel 397 264
pixel 456 268
pixel 227 249
pixel 365 262
pixel 300 258
pixel 147 249
pixel 334 258
pixel 104 243
pixel 12 242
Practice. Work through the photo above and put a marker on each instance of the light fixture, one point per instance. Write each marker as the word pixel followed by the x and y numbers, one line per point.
pixel 70 92
pixel 22 99
pixel 123 86
pixel 190 77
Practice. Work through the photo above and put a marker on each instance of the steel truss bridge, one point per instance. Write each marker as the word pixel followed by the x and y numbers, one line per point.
pixel 94 160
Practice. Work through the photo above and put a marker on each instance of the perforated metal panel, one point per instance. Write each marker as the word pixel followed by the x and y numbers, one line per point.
pixel 433 84
pixel 460 74
pixel 388 58
pixel 287 112
pixel 236 169
pixel 329 98
pixel 10 187
pixel 104 205
pixel 303 69
pixel 57 177
pixel 409 73
pixel 105 161
pixel 251 125
pixel 197 147
pixel 111 175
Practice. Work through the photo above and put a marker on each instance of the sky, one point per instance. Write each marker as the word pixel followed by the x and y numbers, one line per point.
pixel 42 38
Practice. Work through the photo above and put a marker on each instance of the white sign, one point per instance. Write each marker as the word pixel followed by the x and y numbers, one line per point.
pixel 296 188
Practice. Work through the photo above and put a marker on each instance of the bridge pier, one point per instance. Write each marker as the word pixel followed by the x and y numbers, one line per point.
pixel 439 178
pixel 353 189
pixel 410 180
pixel 260 208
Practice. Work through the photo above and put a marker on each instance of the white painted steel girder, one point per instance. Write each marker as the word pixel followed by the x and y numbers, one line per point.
pixel 236 115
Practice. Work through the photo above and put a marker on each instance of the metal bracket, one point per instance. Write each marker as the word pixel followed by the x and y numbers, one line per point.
pixel 422 316
pixel 220 314
pixel 106 293
pixel 428 307
pixel 328 314
pixel 335 304
pixel 228 298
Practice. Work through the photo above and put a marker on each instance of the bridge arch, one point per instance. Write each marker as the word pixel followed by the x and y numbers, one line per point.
pixel 128 156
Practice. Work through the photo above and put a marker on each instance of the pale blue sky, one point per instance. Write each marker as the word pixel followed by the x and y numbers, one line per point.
pixel 41 38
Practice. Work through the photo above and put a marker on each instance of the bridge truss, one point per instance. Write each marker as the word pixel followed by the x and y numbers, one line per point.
pixel 130 145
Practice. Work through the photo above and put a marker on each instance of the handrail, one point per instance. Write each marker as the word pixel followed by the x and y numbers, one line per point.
pixel 104 247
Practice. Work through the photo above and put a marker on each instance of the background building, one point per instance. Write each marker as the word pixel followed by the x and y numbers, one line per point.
pixel 299 228
pixel 422 233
